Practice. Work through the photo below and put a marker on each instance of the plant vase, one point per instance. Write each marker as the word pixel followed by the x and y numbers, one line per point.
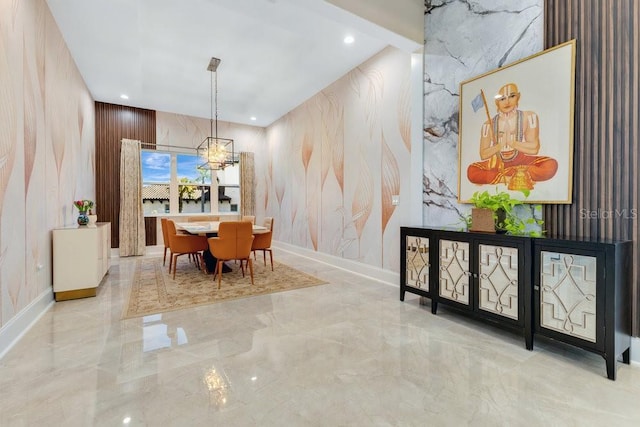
pixel 83 219
pixel 482 220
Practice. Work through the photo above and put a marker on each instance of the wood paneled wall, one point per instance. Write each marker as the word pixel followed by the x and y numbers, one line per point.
pixel 606 156
pixel 114 122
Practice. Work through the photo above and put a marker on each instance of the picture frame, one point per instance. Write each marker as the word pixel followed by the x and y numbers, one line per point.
pixel 516 129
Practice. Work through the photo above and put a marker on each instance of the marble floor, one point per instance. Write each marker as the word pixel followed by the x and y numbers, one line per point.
pixel 348 353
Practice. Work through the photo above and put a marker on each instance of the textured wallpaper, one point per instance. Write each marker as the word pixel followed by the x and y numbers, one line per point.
pixel 47 146
pixel 187 131
pixel 334 162
pixel 328 169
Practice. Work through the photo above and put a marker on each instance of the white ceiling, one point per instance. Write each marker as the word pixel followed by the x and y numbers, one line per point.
pixel 275 53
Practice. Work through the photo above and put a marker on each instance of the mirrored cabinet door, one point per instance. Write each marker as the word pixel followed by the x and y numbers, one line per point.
pixel 568 284
pixel 454 275
pixel 417 265
pixel 498 280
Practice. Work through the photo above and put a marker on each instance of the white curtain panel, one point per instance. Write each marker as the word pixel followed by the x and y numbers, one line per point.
pixel 132 237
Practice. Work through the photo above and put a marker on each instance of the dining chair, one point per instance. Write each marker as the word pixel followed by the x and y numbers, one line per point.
pixel 250 218
pixel 233 243
pixel 183 244
pixel 165 239
pixel 262 242
pixel 247 218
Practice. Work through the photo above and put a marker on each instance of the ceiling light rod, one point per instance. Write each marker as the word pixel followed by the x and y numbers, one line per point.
pixel 213 67
pixel 217 152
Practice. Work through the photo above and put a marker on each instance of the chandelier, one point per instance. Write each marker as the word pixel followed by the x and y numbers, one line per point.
pixel 217 153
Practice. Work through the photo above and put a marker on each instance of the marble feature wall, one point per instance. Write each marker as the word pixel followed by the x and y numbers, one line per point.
pixel 334 163
pixel 464 39
pixel 47 146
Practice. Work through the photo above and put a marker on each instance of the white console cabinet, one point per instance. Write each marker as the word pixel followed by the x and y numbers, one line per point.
pixel 80 260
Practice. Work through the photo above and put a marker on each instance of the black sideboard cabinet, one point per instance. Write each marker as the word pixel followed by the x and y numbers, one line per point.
pixel 482 274
pixel 572 290
pixel 582 295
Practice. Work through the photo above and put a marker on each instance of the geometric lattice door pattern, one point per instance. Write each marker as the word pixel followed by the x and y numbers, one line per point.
pixel 417 262
pixel 498 280
pixel 454 272
pixel 568 294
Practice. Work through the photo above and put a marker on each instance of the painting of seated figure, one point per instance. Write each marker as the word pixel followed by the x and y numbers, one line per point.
pixel 516 128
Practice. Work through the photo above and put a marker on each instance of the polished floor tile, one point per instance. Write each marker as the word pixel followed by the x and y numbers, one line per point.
pixel 348 353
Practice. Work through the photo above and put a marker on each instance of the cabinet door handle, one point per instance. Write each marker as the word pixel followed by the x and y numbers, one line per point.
pixel 536 287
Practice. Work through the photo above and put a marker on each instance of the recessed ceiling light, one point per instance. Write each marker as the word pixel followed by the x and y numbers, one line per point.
pixel 254 118
pixel 124 96
pixel 349 39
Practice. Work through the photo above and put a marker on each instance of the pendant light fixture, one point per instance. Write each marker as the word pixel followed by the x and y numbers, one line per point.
pixel 217 153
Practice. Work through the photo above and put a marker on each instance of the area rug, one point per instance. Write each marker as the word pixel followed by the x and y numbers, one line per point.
pixel 153 289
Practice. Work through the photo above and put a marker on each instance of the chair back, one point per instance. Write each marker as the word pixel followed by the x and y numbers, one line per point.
pixel 234 240
pixel 249 218
pixel 172 232
pixel 170 228
pixel 263 240
pixel 165 235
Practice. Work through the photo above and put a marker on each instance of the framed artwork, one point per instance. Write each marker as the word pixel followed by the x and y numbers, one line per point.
pixel 516 129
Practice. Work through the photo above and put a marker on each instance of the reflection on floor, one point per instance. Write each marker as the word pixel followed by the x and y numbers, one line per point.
pixel 346 353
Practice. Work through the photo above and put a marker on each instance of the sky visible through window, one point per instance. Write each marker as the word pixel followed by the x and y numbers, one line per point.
pixel 156 167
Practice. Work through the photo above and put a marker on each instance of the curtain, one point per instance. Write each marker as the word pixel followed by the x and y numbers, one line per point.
pixel 132 238
pixel 247 184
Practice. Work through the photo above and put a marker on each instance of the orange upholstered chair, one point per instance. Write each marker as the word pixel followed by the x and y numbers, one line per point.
pixel 233 242
pixel 165 239
pixel 262 242
pixel 183 244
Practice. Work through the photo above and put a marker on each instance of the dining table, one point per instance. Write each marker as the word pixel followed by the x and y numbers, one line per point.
pixel 210 228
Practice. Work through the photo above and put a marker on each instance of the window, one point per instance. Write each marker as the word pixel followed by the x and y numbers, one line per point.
pixel 194 185
pixel 165 173
pixel 156 181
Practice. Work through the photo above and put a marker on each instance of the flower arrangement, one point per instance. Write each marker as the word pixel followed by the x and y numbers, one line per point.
pixel 83 205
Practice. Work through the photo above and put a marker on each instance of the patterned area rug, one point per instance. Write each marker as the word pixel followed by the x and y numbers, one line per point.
pixel 154 291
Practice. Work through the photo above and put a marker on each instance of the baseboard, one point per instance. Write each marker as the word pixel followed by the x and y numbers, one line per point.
pixel 387 277
pixel 18 325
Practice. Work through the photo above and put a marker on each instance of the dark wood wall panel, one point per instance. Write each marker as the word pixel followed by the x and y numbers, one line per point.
pixel 606 178
pixel 114 122
pixel 150 231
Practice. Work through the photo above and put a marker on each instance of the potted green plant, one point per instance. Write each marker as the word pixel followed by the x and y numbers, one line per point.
pixel 497 213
